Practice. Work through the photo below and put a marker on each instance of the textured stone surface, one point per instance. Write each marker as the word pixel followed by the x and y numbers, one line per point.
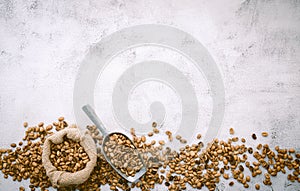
pixel 256 45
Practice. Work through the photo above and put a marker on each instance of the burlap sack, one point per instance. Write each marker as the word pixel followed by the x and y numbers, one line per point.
pixel 62 178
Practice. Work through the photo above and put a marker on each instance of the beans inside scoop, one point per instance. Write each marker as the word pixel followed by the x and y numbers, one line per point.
pixel 123 154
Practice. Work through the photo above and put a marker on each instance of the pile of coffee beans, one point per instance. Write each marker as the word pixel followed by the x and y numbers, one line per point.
pixel 194 165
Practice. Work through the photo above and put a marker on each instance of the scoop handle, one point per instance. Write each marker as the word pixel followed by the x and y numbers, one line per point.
pixel 90 112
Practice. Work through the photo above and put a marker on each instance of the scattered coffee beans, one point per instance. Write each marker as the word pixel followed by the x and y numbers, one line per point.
pixel 264 134
pixel 192 165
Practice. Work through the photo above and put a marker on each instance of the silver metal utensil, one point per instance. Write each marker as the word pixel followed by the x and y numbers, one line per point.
pixel 95 119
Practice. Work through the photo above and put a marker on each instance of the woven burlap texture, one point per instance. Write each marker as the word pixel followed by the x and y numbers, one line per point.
pixel 62 178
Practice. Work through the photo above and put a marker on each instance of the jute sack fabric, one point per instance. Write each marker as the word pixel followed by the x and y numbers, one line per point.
pixel 62 178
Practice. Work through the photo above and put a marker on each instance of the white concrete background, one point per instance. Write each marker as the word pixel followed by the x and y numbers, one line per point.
pixel 255 43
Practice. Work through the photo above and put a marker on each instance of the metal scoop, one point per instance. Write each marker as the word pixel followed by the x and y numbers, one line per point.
pixel 95 119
